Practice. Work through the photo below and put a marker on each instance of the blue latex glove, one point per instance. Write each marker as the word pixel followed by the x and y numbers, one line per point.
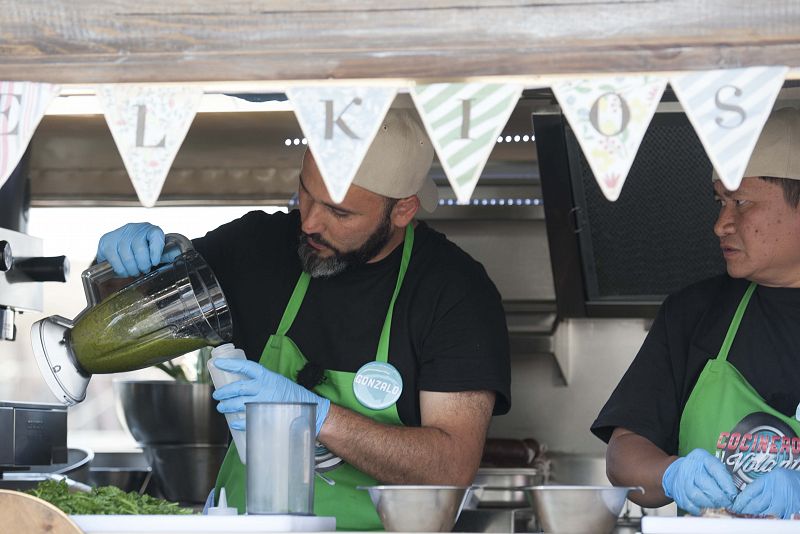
pixel 777 493
pixel 132 249
pixel 697 481
pixel 262 385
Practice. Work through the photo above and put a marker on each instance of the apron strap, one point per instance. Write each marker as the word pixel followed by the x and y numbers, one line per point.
pixel 383 343
pixel 294 304
pixel 296 300
pixel 734 326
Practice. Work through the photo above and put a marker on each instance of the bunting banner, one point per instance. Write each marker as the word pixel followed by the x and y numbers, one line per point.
pixel 340 124
pixel 22 106
pixel 609 116
pixel 463 121
pixel 148 124
pixel 728 109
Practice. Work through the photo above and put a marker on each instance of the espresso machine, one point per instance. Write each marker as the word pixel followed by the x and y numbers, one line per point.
pixel 30 433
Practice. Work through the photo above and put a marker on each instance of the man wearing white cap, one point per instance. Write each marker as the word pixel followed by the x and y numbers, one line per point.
pixel 397 335
pixel 707 413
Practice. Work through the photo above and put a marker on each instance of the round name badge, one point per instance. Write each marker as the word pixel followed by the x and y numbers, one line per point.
pixel 377 385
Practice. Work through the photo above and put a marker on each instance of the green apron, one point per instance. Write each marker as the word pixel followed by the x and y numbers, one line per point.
pixel 727 417
pixel 353 508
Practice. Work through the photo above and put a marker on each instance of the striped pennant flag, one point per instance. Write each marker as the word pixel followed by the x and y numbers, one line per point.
pixel 22 106
pixel 340 124
pixel 609 116
pixel 148 124
pixel 728 109
pixel 463 121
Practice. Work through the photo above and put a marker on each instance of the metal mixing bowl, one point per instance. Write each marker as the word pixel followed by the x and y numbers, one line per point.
pixel 498 487
pixel 578 509
pixel 169 412
pixel 418 508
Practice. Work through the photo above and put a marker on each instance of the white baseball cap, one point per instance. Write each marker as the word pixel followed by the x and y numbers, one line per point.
pixel 777 152
pixel 398 162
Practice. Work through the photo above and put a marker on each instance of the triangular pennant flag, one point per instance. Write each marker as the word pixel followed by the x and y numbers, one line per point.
pixel 149 124
pixel 609 116
pixel 340 124
pixel 22 106
pixel 728 109
pixel 463 121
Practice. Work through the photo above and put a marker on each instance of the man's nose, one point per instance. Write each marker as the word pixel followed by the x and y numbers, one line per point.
pixel 312 219
pixel 725 221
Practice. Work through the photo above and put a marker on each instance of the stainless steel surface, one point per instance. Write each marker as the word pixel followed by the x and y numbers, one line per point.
pixel 56 362
pixel 515 254
pixel 18 294
pixel 75 471
pixel 578 509
pixel 32 434
pixel 418 508
pixel 185 473
pixel 169 412
pixel 128 471
pixel 495 487
pixel 582 469
pixel 8 331
pixel 495 520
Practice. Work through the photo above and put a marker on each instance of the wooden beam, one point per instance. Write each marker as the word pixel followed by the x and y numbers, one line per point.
pixel 94 41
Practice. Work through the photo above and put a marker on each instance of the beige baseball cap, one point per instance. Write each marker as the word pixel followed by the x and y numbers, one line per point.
pixel 777 152
pixel 398 162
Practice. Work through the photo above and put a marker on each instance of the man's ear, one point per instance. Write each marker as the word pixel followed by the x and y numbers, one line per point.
pixel 404 210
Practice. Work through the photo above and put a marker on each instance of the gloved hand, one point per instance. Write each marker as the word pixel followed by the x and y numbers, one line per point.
pixel 776 493
pixel 132 249
pixel 697 481
pixel 262 385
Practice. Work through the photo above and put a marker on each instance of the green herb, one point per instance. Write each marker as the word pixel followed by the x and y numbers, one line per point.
pixel 105 500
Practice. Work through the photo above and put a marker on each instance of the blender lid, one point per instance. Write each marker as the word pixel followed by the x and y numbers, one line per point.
pixel 55 361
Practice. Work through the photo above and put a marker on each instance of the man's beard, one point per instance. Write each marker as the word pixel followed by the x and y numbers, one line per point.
pixel 319 267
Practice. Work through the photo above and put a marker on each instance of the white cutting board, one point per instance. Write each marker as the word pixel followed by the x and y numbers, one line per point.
pixel 713 525
pixel 152 524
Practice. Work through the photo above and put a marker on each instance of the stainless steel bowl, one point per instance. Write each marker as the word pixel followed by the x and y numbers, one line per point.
pixel 169 412
pixel 76 469
pixel 578 509
pixel 498 487
pixel 418 508
pixel 185 473
pixel 126 470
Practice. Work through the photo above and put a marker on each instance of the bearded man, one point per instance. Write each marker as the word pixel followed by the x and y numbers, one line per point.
pixel 396 334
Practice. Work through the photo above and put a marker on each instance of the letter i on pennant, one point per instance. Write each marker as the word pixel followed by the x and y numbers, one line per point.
pixel 463 121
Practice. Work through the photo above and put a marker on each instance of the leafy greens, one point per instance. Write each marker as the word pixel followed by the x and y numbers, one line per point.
pixel 105 500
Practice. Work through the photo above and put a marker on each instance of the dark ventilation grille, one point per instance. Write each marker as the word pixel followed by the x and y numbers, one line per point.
pixel 657 237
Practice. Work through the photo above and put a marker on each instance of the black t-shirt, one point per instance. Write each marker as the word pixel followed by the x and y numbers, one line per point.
pixel 688 331
pixel 448 329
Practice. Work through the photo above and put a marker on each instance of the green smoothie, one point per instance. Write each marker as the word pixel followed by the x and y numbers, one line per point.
pixel 125 332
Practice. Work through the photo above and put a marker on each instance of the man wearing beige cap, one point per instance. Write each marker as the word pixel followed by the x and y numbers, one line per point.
pixel 707 414
pixel 396 335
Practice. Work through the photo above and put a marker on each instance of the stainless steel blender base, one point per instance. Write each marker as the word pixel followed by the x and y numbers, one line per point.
pixel 56 363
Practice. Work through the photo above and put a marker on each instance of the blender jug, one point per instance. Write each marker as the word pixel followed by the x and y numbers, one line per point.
pixel 175 308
